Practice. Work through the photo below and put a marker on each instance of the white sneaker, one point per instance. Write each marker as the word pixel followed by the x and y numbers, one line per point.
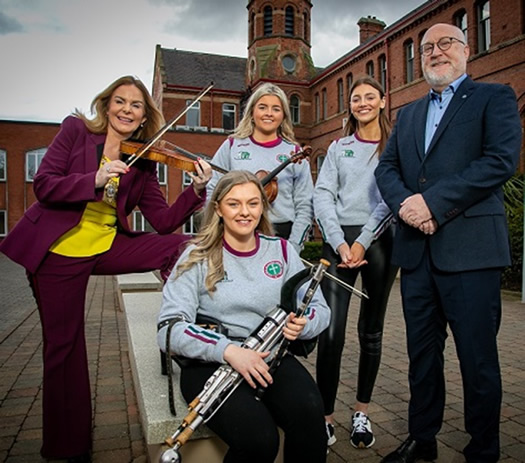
pixel 362 436
pixel 330 432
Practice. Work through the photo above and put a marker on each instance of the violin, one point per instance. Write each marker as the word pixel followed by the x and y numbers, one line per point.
pixel 269 179
pixel 165 153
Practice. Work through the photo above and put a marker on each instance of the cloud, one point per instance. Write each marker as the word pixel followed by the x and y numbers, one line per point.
pixel 8 25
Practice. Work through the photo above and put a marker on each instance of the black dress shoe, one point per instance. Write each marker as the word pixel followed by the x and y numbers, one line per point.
pixel 410 451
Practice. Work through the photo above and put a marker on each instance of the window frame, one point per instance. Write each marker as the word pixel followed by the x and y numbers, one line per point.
pixel 3 165
pixel 233 110
pixel 289 21
pixel 381 62
pixel 484 41
pixel 370 68
pixel 340 96
pixel 267 21
pixel 38 154
pixel 410 73
pixel 195 109
pixel 295 110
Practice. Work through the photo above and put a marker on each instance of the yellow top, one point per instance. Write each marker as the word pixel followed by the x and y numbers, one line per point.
pixel 93 235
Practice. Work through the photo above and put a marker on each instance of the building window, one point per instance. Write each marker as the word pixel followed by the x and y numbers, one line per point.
pixel 140 223
pixel 162 173
pixel 483 26
pixel 325 104
pixel 33 160
pixel 228 116
pixel 461 21
pixel 370 68
pixel 295 105
pixel 340 96
pixel 319 162
pixel 268 20
pixel 289 21
pixel 193 116
pixel 3 167
pixel 349 81
pixel 382 71
pixel 409 61
pixel 305 27
pixel 3 223
pixel 317 108
pixel 252 28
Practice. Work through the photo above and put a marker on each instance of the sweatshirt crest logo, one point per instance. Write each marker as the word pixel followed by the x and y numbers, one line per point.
pixel 243 156
pixel 273 269
pixel 282 158
pixel 348 154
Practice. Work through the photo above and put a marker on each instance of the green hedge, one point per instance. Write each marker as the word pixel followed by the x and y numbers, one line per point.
pixel 312 251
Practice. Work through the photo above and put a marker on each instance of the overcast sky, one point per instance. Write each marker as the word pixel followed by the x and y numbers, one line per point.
pixel 56 55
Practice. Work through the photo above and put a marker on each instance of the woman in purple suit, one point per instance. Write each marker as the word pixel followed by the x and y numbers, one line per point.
pixel 78 227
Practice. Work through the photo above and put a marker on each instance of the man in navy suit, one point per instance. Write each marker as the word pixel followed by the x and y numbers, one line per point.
pixel 441 174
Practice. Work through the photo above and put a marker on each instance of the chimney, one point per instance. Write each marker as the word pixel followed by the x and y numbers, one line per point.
pixel 369 27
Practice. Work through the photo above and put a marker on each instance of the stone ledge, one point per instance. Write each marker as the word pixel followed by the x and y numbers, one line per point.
pixel 139 282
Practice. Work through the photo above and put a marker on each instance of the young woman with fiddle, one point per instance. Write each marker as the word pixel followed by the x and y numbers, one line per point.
pixel 262 141
pixel 78 227
pixel 355 224
pixel 234 271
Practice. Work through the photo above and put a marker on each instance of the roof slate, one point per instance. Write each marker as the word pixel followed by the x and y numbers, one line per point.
pixel 193 69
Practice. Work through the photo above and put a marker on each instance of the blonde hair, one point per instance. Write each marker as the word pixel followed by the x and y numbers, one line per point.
pixel 100 104
pixel 208 241
pixel 246 126
pixel 384 124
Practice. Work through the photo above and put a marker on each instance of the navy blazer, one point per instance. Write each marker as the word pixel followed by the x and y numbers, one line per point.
pixel 474 151
pixel 65 183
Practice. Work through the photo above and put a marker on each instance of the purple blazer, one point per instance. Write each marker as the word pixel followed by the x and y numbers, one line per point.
pixel 64 185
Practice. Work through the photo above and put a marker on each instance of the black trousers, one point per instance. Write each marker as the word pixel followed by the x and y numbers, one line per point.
pixel 469 304
pixel 377 278
pixel 249 426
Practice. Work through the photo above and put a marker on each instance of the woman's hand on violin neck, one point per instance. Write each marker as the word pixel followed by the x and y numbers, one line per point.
pixel 110 170
pixel 201 176
pixel 250 364
pixel 294 327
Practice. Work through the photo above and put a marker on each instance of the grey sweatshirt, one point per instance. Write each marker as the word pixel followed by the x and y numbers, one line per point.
pixel 346 193
pixel 250 289
pixel 294 200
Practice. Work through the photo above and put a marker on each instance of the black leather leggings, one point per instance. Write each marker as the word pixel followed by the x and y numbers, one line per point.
pixel 377 277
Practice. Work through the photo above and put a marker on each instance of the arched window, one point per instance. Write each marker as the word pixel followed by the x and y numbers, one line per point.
pixel 370 68
pixel 268 20
pixel 483 26
pixel 340 96
pixel 305 27
pixel 349 82
pixel 289 21
pixel 325 104
pixel 382 71
pixel 409 61
pixel 317 108
pixel 295 105
pixel 252 28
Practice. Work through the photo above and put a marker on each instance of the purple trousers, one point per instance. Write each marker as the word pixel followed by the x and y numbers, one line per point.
pixel 59 286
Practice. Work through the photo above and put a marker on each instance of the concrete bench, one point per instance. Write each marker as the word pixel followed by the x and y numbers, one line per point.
pixel 151 387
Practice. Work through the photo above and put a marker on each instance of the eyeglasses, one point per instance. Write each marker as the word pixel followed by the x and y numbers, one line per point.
pixel 443 44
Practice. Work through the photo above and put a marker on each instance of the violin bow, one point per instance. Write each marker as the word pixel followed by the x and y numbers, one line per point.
pixel 147 145
pixel 340 282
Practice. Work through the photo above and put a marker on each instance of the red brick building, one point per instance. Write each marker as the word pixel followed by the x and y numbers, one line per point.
pixel 279 43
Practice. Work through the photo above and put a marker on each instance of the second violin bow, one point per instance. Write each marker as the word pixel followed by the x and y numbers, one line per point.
pixel 146 146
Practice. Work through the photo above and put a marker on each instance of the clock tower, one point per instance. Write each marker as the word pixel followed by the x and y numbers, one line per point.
pixel 279 41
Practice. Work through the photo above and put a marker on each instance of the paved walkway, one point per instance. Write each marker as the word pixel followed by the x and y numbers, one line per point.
pixel 117 431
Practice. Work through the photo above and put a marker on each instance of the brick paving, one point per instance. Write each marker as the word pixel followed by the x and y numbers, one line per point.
pixel 116 428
